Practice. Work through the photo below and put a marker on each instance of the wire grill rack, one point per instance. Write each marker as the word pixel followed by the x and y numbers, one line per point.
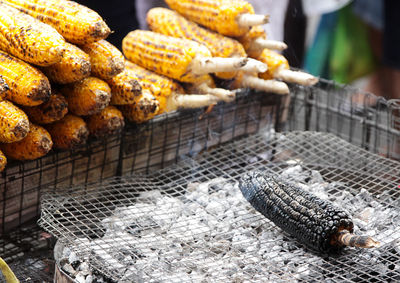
pixel 78 214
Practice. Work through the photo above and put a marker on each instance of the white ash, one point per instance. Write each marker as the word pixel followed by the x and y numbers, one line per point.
pixel 211 233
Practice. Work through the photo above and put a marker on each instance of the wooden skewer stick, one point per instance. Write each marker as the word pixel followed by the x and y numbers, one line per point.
pixel 295 77
pixel 221 93
pixel 262 43
pixel 264 85
pixel 176 101
pixel 249 20
pixel 203 65
pixel 348 239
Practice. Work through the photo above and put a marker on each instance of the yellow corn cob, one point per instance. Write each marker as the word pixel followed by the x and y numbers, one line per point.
pixel 28 38
pixel 181 59
pixel 279 69
pixel 169 93
pixel 145 108
pixel 3 88
pixel 170 23
pixel 37 143
pixel 69 132
pixel 53 110
pixel 106 60
pixel 76 23
pixel 106 123
pixel 14 124
pixel 159 86
pixel 28 86
pixel 74 66
pixel 87 97
pixel 3 161
pixel 227 17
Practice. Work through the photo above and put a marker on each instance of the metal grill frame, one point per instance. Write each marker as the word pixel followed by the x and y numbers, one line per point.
pixel 78 212
pixel 372 128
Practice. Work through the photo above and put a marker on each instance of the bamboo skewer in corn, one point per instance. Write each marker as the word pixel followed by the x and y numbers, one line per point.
pixel 279 69
pixel 252 81
pixel 170 23
pixel 180 59
pixel 230 18
pixel 255 41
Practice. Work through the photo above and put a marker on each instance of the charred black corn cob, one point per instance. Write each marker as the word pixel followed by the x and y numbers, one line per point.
pixel 314 222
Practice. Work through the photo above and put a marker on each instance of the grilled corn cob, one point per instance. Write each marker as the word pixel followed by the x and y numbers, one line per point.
pixel 37 143
pixel 28 86
pixel 14 124
pixel 255 41
pixel 181 59
pixel 168 93
pixel 143 109
pixel 87 97
pixel 161 87
pixel 53 110
pixel 76 23
pixel 3 161
pixel 314 222
pixel 279 69
pixel 170 23
pixel 106 60
pixel 74 66
pixel 29 39
pixel 3 88
pixel 105 123
pixel 69 132
pixel 228 17
pixel 125 88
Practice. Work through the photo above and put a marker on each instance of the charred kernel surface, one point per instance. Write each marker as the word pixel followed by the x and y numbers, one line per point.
pixel 3 88
pixel 74 66
pixel 165 55
pixel 159 86
pixel 76 23
pixel 14 123
pixel 106 60
pixel 125 88
pixel 29 39
pixel 27 85
pixel 106 123
pixel 314 222
pixel 87 97
pixel 3 161
pixel 170 23
pixel 143 110
pixel 69 132
pixel 36 144
pixel 217 15
pixel 53 110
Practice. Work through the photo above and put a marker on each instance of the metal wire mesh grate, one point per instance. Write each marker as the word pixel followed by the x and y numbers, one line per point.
pixel 114 223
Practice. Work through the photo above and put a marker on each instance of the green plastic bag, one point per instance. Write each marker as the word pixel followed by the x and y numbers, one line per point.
pixel 351 55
